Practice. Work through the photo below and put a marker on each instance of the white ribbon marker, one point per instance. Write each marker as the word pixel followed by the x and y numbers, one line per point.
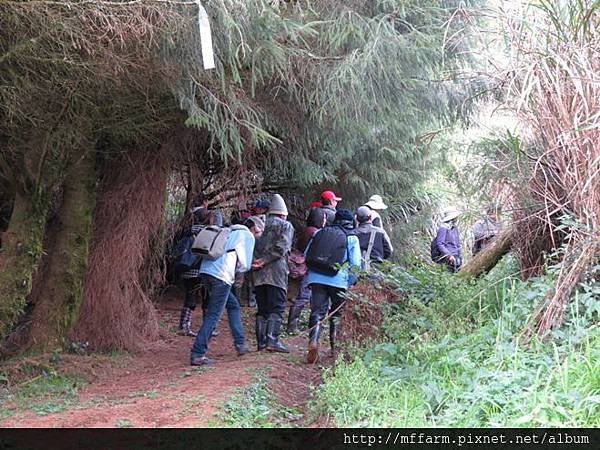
pixel 208 57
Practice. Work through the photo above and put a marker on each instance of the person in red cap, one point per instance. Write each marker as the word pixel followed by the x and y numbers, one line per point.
pixel 330 201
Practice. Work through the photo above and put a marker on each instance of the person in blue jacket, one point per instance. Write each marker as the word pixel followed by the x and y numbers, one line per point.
pixel 218 276
pixel 328 290
pixel 448 241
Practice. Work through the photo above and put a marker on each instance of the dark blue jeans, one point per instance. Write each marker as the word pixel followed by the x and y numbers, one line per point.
pixel 219 299
pixel 270 300
pixel 304 293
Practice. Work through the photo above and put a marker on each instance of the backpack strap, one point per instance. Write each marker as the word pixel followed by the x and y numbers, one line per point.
pixel 367 253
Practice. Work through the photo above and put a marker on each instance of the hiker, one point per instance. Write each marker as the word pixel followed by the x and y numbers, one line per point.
pixel 332 255
pixel 486 229
pixel 218 276
pixel 375 245
pixel 200 216
pixel 260 209
pixel 243 281
pixel 330 201
pixel 270 275
pixel 315 221
pixel 447 241
pixel 376 204
pixel 203 214
pixel 315 204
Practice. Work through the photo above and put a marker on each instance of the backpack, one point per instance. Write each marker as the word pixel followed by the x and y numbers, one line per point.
pixel 327 251
pixel 297 264
pixel 435 251
pixel 183 258
pixel 210 242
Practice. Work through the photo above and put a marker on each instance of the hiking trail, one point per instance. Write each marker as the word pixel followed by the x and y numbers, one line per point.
pixel 158 387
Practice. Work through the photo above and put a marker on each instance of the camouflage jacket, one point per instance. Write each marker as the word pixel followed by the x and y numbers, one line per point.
pixel 273 247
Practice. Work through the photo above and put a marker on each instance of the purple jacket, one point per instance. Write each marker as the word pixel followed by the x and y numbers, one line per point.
pixel 448 241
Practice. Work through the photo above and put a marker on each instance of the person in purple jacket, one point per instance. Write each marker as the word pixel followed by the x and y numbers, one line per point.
pixel 448 241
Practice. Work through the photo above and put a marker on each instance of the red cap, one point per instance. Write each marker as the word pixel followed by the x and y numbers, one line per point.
pixel 316 205
pixel 330 195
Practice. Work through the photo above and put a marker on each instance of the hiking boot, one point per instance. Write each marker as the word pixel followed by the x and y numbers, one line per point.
pixel 293 319
pixel 242 350
pixel 201 361
pixel 185 323
pixel 261 332
pixel 273 327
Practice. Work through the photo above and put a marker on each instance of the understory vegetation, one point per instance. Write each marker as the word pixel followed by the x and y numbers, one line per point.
pixel 452 356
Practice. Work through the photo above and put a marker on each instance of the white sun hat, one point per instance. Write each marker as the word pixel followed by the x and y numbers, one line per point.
pixel 449 214
pixel 376 202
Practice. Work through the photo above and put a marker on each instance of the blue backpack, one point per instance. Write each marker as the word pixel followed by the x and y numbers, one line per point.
pixel 183 258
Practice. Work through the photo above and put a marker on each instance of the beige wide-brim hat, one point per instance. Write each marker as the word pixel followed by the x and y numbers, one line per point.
pixel 376 202
pixel 450 214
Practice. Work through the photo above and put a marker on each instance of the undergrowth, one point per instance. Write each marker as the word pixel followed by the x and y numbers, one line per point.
pixel 256 406
pixel 451 356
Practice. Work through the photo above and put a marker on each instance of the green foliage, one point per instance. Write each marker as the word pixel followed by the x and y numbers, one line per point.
pixel 452 357
pixel 256 407
pixel 45 394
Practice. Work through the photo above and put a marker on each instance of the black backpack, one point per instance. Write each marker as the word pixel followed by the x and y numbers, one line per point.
pixel 327 250
pixel 183 259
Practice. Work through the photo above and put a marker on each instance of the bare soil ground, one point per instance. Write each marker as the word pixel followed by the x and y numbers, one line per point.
pixel 158 387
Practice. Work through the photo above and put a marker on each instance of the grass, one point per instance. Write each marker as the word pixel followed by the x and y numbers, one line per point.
pixel 256 406
pixel 452 358
pixel 45 394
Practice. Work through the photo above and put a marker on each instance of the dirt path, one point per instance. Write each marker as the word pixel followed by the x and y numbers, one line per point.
pixel 159 388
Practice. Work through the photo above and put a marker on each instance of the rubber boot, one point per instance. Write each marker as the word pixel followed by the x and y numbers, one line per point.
pixel 261 333
pixel 273 328
pixel 313 341
pixel 334 333
pixel 293 319
pixel 185 323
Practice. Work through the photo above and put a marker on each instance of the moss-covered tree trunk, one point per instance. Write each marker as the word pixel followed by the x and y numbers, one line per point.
pixel 21 251
pixel 486 259
pixel 62 287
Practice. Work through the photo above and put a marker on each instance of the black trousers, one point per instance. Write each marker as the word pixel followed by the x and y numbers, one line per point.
pixel 270 300
pixel 322 295
pixel 193 289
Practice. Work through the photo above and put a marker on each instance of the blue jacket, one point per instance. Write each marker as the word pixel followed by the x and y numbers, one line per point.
pixel 241 241
pixel 344 278
pixel 448 241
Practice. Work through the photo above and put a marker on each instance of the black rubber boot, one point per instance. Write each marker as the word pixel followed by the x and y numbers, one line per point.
pixel 185 323
pixel 334 333
pixel 293 319
pixel 261 332
pixel 273 328
pixel 313 341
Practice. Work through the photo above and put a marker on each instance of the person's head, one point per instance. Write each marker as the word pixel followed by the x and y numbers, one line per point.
pixel 364 215
pixel 316 218
pixel 344 218
pixel 261 207
pixel 316 205
pixel 376 202
pixel 256 226
pixel 278 207
pixel 201 200
pixel 450 215
pixel 328 198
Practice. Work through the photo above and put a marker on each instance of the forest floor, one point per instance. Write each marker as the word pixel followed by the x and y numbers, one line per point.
pixel 158 387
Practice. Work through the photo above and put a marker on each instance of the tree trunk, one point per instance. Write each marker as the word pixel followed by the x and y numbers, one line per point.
pixel 61 290
pixel 22 247
pixel 486 259
pixel 117 312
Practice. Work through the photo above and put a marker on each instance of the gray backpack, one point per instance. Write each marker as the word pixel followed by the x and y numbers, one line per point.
pixel 210 242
